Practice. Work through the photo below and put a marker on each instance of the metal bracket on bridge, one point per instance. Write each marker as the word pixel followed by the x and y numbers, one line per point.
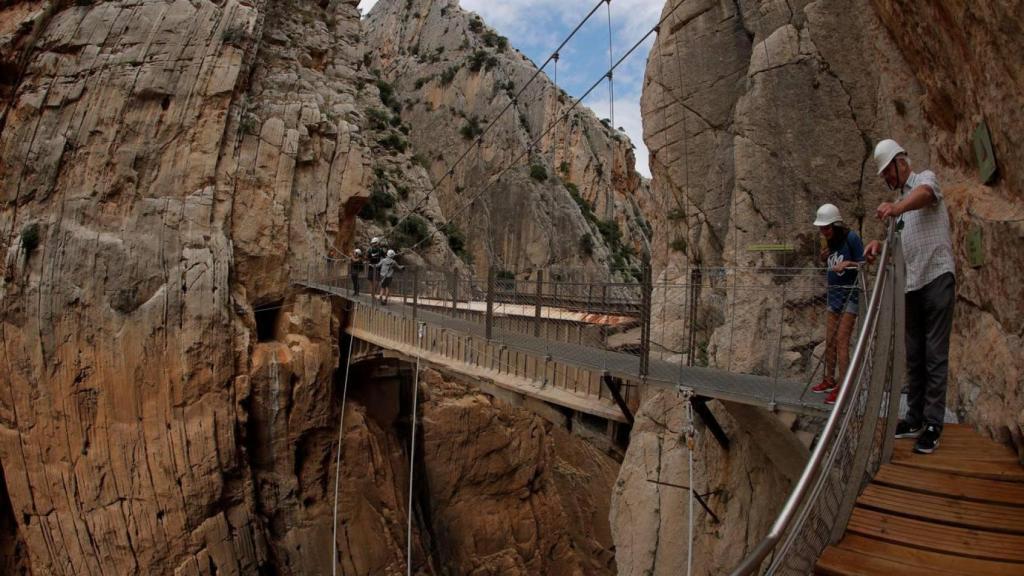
pixel 700 406
pixel 615 387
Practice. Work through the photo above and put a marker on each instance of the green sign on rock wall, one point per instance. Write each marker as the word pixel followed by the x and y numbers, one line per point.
pixel 975 249
pixel 984 154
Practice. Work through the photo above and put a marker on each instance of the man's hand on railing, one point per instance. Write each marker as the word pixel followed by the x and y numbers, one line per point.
pixel 872 250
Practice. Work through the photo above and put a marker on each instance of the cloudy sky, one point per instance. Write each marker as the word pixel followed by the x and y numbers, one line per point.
pixel 537 27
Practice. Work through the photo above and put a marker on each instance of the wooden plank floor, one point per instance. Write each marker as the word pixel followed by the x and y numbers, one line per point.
pixel 957 511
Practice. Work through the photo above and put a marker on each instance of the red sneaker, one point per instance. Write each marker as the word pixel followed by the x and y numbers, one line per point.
pixel 826 385
pixel 831 399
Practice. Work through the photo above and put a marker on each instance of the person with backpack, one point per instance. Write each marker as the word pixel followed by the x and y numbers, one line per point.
pixel 387 271
pixel 373 257
pixel 843 252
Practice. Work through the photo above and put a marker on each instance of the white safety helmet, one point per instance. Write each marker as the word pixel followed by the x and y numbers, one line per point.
pixel 374 240
pixel 391 253
pixel 885 152
pixel 827 214
pixel 358 251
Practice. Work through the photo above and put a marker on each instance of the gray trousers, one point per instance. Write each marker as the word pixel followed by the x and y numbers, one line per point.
pixel 929 319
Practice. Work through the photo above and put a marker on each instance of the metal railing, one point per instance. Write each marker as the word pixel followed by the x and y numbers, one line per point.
pixel 760 321
pixel 855 441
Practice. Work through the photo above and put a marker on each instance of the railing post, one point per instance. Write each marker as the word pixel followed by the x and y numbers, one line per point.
pixel 645 320
pixel 489 318
pixel 536 304
pixel 691 345
pixel 415 292
pixel 455 291
pixel 899 361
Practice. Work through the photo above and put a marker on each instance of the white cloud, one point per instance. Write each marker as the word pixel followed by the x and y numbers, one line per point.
pixel 365 5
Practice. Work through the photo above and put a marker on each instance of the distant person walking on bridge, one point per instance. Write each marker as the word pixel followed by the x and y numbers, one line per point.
pixel 387 271
pixel 355 270
pixel 843 252
pixel 923 225
pixel 373 257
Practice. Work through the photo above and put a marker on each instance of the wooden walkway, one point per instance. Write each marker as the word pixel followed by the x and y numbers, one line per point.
pixel 958 511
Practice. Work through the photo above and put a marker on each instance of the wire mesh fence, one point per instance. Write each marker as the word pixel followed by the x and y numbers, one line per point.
pixel 853 444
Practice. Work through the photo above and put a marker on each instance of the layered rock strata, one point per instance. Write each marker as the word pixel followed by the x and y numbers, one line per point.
pixel 453 75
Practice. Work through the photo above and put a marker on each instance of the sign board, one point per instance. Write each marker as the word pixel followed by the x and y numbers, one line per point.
pixel 984 154
pixel 975 248
pixel 770 248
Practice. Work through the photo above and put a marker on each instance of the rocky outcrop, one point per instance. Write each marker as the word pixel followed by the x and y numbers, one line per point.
pixel 511 493
pixel 570 202
pixel 649 516
pixel 164 165
pixel 498 489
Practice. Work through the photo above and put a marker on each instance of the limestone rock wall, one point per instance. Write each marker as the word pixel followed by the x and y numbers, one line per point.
pixel 511 493
pixel 757 112
pixel 498 490
pixel 452 74
pixel 165 165
pixel 650 511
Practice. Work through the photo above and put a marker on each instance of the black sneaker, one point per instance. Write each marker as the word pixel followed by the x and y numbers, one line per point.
pixel 929 440
pixel 905 429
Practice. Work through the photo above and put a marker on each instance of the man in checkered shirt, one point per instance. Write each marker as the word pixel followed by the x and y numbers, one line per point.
pixel 930 290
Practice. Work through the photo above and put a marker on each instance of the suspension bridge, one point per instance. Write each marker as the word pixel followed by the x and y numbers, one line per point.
pixel 586 346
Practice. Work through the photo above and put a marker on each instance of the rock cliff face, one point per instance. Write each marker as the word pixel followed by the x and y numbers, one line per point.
pixel 650 508
pixel 165 164
pixel 757 112
pixel 498 490
pixel 453 74
pixel 169 399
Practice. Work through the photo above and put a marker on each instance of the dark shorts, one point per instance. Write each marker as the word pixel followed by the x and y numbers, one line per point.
pixel 385 282
pixel 843 299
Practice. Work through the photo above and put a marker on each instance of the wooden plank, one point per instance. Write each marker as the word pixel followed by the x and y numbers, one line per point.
pixel 963 513
pixel 951 485
pixel 839 562
pixel 960 450
pixel 1008 471
pixel 937 537
pixel 933 561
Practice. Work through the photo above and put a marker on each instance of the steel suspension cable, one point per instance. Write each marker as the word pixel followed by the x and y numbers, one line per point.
pixel 690 445
pixel 412 450
pixel 337 458
pixel 611 60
